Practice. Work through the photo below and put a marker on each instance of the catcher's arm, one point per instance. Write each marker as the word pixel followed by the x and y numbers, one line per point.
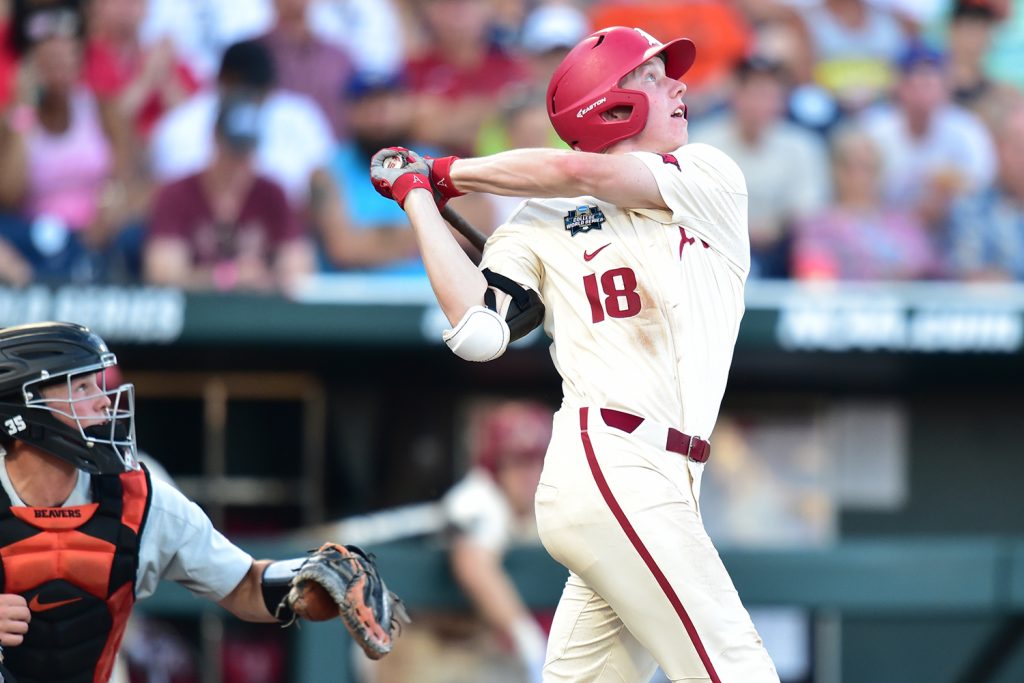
pixel 336 581
pixel 246 600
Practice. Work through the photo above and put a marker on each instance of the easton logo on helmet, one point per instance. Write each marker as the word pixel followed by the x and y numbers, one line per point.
pixel 589 108
pixel 650 39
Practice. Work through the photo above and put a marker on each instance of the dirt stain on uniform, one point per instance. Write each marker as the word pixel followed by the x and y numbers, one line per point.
pixel 649 323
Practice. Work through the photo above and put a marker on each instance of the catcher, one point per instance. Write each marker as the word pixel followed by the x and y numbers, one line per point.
pixel 85 531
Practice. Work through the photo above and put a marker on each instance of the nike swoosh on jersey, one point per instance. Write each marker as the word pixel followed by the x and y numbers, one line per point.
pixel 589 255
pixel 37 606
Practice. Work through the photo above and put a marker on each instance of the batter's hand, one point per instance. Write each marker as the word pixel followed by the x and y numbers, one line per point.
pixel 396 171
pixel 14 618
pixel 441 179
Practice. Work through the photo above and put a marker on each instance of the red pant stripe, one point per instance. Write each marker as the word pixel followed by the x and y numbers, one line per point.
pixel 638 544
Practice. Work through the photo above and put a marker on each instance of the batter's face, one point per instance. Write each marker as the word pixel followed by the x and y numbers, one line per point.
pixel 84 399
pixel 667 126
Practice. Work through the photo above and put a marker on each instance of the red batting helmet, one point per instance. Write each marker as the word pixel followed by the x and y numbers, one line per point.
pixel 513 432
pixel 586 85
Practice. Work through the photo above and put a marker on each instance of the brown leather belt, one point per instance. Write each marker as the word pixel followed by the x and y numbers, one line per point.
pixel 693 447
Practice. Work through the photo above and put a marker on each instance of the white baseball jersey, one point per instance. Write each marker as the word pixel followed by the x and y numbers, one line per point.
pixel 643 305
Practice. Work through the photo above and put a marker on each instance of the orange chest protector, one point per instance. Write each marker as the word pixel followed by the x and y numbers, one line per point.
pixel 76 566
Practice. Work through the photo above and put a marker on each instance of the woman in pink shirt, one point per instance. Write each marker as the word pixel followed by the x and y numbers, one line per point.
pixel 62 165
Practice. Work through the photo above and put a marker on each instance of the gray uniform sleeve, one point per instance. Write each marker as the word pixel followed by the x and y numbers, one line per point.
pixel 179 543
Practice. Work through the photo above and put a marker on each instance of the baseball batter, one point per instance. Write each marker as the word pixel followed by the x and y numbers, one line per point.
pixel 638 279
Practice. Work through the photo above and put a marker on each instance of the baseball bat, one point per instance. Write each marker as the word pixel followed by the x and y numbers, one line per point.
pixel 461 225
pixel 464 227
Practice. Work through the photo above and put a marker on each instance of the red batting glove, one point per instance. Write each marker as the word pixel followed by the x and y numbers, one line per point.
pixel 441 179
pixel 396 183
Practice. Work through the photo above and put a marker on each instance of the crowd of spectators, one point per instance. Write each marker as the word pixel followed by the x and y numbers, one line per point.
pixel 223 143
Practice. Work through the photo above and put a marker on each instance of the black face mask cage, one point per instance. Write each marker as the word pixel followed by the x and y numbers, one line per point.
pixel 81 399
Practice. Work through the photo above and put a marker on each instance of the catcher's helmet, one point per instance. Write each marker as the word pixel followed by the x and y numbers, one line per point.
pixel 586 85
pixel 41 355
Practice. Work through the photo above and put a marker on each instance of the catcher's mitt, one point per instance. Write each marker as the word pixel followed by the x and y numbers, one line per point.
pixel 343 580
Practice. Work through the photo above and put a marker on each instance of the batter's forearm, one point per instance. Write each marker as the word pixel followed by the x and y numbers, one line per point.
pixel 519 173
pixel 458 284
pixel 618 179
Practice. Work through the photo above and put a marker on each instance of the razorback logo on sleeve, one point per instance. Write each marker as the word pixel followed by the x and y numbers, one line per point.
pixel 670 159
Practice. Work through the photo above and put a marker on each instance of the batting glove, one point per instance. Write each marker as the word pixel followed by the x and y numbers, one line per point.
pixel 441 179
pixel 396 182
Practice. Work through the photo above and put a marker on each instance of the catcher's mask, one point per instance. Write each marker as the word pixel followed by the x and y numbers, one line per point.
pixel 54 395
pixel 586 85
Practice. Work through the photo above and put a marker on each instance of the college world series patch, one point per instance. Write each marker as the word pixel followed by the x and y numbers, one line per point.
pixel 583 219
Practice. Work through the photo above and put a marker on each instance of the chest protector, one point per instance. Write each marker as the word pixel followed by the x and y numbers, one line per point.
pixel 76 567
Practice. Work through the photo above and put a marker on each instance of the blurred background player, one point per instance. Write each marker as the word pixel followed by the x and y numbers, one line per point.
pixel 488 512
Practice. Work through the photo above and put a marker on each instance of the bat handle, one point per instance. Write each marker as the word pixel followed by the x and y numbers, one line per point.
pixel 464 227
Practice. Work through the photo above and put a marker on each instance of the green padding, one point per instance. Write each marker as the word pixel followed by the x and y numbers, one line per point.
pixel 970 575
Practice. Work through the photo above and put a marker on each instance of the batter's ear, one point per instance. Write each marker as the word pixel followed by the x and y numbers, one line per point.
pixel 523 310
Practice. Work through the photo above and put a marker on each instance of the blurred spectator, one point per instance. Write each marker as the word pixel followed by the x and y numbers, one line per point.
pixel 988 227
pixel 522 123
pixel 933 151
pixel 550 30
pixel 144 81
pixel 718 28
pixel 858 237
pixel 488 511
pixel 786 166
pixel 855 42
pixel 307 64
pixel 227 227
pixel 779 32
pixel 374 232
pixel 781 35
pixel 66 181
pixel 8 58
pixel 202 29
pixel 295 138
pixel 970 38
pixel 462 76
pixel 370 31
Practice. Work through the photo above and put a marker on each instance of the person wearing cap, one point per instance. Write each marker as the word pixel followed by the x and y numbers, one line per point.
pixel 549 31
pixel 786 166
pixel 227 227
pixel 933 151
pixel 461 75
pixel 632 250
pixel 371 234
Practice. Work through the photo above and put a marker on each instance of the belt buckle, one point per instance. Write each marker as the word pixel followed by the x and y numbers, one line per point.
pixel 689 449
